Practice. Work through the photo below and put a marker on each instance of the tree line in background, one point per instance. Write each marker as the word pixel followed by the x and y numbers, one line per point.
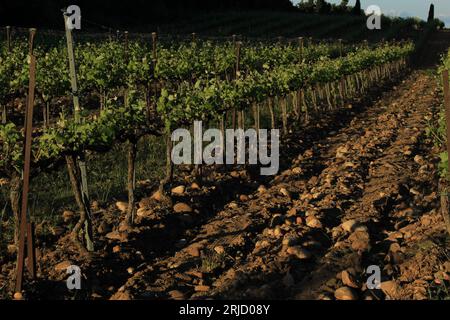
pixel 46 13
pixel 323 7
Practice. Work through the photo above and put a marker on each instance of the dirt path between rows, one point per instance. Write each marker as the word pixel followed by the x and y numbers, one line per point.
pixel 364 195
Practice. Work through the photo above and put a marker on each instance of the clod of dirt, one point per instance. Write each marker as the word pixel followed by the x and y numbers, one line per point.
pixel 390 289
pixel 177 295
pixel 345 293
pixel 182 208
pixel 178 190
pixel 313 222
pixel 299 253
pixel 350 280
pixel 62 266
pixel 122 206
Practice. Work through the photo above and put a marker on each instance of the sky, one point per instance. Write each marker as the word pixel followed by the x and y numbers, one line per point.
pixel 407 8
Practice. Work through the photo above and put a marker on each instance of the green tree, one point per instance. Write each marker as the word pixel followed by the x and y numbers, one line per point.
pixel 357 8
pixel 431 13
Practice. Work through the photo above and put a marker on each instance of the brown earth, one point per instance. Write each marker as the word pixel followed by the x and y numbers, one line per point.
pixel 289 242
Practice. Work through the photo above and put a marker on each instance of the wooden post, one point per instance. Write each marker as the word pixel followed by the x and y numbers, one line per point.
pixel 194 38
pixel 445 197
pixel 238 57
pixel 26 176
pixel 8 37
pixel 31 253
pixel 341 49
pixel 301 45
pixel 236 75
pixel 77 109
pixel 151 106
pixel 154 47
pixel 126 45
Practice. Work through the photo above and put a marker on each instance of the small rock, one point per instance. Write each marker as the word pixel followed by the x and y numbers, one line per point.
pixel 360 241
pixel 233 205
pixel 297 170
pixel 62 266
pixel 144 212
pixel 122 206
pixel 291 212
pixel 182 208
pixel 426 220
pixel 124 227
pixel 157 196
pixel 178 190
pixel 116 235
pixel 177 295
pixel 194 249
pixel 390 288
pixel 345 293
pixel 121 295
pixel 313 222
pixel 235 174
pixel 130 270
pixel 349 225
pixel 202 288
pixel 285 192
pixel 394 247
pixel 116 249
pixel 145 202
pixel 349 280
pixel 18 296
pixel 394 236
pixel 11 248
pixel 299 253
pixel 219 250
pixel 243 198
pixel 262 189
pixel 195 186
pixel 341 152
pixel 277 232
pixel 419 160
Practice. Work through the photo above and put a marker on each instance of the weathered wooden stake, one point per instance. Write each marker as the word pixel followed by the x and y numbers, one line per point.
pixel 77 110
pixel 8 38
pixel 445 198
pixel 301 45
pixel 26 179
